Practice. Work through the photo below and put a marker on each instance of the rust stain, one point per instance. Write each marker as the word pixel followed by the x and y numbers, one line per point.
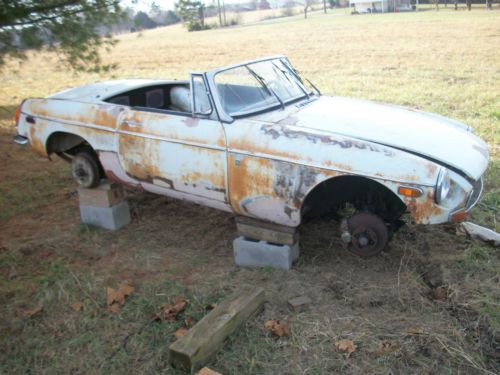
pixel 422 209
pixel 248 146
pixel 85 113
pixel 280 131
pixel 113 177
pixel 104 115
pixel 35 140
pixel 245 182
pixel 271 180
pixel 431 169
pixel 168 126
pixel 341 166
pixel 217 178
pixel 147 168
pixel 410 177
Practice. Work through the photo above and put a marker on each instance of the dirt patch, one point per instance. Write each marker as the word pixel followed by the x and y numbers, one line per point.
pixel 427 305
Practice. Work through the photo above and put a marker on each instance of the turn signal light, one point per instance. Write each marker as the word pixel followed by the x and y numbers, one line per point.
pixel 411 192
pixel 458 216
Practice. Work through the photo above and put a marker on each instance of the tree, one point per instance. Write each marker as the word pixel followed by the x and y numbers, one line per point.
pixel 143 21
pixel 307 6
pixel 192 13
pixel 73 28
pixel 264 4
pixel 171 18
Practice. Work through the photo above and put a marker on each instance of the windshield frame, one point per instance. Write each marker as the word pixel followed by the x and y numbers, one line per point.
pixel 226 117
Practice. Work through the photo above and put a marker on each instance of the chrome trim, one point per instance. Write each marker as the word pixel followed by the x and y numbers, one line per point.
pixel 442 174
pixel 20 140
pixel 470 203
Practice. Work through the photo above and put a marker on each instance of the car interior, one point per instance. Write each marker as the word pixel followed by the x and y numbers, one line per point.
pixel 171 97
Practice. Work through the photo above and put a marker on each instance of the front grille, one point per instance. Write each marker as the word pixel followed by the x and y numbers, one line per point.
pixel 474 196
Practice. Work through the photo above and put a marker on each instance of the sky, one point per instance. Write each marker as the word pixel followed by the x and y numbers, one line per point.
pixel 145 5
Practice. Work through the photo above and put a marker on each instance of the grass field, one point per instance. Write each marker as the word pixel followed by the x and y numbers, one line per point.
pixel 446 62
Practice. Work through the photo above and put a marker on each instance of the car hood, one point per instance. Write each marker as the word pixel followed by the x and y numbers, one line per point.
pixel 432 136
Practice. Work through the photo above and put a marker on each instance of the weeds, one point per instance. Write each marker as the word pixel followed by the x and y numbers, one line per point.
pixel 174 248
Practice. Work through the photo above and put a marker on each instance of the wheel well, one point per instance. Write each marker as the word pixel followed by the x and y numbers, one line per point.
pixel 67 145
pixel 363 193
pixel 60 142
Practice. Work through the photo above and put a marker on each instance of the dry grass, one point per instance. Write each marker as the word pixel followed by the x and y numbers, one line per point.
pixel 444 62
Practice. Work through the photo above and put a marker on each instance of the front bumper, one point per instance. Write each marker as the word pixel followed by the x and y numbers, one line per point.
pixel 474 197
pixel 20 140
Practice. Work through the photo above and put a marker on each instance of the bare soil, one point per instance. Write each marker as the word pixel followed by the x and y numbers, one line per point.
pixel 428 305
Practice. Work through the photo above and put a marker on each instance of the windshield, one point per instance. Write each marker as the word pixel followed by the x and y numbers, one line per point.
pixel 258 86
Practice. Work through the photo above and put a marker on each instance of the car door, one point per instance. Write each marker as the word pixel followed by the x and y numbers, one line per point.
pixel 176 153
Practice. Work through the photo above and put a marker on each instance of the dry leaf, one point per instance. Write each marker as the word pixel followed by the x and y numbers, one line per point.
pixel 277 327
pixel 169 312
pixel 439 293
pixel 189 322
pixel 415 331
pixel 207 371
pixel 110 296
pixel 77 306
pixel 32 312
pixel 116 298
pixel 114 308
pixel 180 332
pixel 346 346
pixel 126 290
pixel 387 346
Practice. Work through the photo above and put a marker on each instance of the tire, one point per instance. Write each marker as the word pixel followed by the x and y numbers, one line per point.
pixel 369 234
pixel 85 170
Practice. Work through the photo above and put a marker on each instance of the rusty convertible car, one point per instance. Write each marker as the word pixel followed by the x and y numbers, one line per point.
pixel 258 140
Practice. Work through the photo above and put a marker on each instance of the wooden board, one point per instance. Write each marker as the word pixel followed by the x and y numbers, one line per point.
pixel 200 343
pixel 270 232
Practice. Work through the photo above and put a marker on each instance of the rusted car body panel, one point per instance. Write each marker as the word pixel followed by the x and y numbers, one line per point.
pixel 265 165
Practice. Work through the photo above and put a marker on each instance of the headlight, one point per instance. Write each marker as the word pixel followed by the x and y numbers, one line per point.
pixel 443 185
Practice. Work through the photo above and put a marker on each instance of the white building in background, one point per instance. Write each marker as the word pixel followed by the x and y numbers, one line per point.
pixel 366 6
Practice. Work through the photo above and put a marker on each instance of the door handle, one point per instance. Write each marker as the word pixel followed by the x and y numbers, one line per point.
pixel 132 124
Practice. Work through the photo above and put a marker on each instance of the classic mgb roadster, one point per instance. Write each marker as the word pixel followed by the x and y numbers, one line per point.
pixel 258 140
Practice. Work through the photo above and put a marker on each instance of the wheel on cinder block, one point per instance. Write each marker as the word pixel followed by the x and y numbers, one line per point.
pixel 368 234
pixel 85 170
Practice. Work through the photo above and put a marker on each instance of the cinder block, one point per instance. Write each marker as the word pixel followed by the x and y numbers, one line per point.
pixel 106 194
pixel 250 253
pixel 113 217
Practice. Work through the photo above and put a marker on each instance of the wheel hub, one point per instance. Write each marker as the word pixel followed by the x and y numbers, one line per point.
pixel 365 234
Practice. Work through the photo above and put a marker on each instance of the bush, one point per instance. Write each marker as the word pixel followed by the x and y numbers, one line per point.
pixel 235 20
pixel 287 11
pixel 196 26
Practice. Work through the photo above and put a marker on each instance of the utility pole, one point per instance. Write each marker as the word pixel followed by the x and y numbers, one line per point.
pixel 219 11
pixel 224 12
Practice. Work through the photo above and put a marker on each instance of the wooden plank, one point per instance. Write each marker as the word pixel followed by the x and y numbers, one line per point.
pixel 105 195
pixel 200 343
pixel 270 232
